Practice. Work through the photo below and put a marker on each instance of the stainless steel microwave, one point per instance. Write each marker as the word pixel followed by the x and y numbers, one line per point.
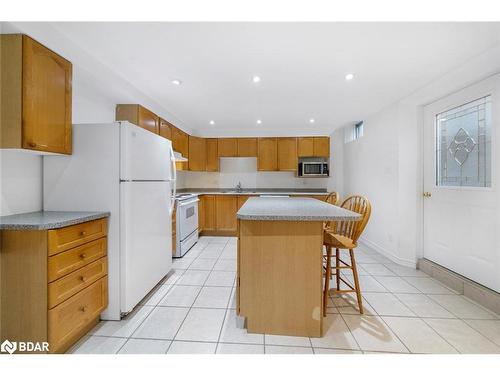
pixel 313 169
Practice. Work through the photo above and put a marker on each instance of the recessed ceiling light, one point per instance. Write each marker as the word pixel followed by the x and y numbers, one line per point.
pixel 349 76
pixel 259 122
pixel 176 82
pixel 256 79
pixel 311 120
pixel 212 122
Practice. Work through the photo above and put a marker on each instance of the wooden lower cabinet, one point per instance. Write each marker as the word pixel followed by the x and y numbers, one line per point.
pixel 206 213
pixel 241 201
pixel 72 318
pixel 217 215
pixel 54 284
pixel 226 208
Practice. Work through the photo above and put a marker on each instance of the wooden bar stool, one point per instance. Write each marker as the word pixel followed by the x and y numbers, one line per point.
pixel 343 235
pixel 332 198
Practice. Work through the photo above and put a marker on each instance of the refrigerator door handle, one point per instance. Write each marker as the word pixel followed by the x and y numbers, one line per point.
pixel 174 180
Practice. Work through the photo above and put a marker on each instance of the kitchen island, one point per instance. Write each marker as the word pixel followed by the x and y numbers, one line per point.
pixel 280 248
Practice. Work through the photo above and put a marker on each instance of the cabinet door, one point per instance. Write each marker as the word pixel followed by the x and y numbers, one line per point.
pixel 247 147
pixel 148 120
pixel 226 207
pixel 287 154
pixel 305 146
pixel 322 147
pixel 212 155
pixel 180 141
pixel 241 200
pixel 165 130
pixel 197 157
pixel 227 147
pixel 267 159
pixel 47 84
pixel 209 210
pixel 201 213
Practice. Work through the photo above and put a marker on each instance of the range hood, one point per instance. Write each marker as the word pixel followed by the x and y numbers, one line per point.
pixel 179 157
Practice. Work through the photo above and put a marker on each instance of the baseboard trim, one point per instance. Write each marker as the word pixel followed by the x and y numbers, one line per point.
pixel 470 289
pixel 401 261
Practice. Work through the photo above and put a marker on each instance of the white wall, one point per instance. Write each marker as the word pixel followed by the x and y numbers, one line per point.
pixel 244 170
pixel 386 163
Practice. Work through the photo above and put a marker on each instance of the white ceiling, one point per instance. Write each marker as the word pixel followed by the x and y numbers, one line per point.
pixel 302 66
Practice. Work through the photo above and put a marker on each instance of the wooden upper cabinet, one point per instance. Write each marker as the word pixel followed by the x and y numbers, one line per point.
pixel 322 147
pixel 148 120
pixel 247 147
pixel 165 129
pixel 138 115
pixel 198 155
pixel 180 141
pixel 305 146
pixel 287 154
pixel 267 159
pixel 226 208
pixel 227 147
pixel 212 155
pixel 313 147
pixel 36 88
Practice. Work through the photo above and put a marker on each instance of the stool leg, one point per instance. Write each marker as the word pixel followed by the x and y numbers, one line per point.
pixel 327 278
pixel 356 281
pixel 337 269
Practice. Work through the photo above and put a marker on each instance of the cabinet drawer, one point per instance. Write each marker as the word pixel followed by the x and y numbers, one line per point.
pixel 68 261
pixel 75 235
pixel 68 320
pixel 60 290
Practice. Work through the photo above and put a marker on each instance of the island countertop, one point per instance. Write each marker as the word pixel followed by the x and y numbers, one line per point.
pixel 293 209
pixel 43 220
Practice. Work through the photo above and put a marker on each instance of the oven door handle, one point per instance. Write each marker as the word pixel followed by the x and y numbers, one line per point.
pixel 189 202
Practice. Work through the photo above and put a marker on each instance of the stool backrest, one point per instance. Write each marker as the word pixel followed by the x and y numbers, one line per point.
pixel 332 198
pixel 353 229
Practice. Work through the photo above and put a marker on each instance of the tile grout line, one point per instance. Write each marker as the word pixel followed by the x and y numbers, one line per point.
pixel 182 323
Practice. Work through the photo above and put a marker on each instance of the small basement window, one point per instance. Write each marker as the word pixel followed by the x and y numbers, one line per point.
pixel 354 132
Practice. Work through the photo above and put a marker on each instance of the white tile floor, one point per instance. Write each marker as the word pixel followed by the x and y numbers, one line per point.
pixel 193 311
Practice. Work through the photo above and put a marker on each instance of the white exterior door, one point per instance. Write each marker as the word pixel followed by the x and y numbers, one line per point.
pixel 461 169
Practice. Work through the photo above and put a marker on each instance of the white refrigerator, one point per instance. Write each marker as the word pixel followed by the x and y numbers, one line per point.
pixel 130 172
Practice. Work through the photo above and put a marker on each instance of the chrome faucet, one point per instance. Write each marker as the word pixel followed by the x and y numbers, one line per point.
pixel 239 189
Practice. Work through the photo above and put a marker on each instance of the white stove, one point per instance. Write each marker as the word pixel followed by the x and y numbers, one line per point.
pixel 187 223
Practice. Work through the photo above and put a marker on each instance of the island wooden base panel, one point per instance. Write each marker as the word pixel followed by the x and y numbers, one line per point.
pixel 280 277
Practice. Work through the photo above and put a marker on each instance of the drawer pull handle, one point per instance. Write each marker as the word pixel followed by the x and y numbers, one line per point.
pixel 83 308
pixel 83 279
pixel 32 144
pixel 83 255
pixel 83 233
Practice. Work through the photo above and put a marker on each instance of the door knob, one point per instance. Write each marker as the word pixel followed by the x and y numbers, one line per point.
pixel 427 194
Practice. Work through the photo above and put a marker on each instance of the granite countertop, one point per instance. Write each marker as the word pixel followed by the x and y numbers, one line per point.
pixel 42 220
pixel 256 191
pixel 296 209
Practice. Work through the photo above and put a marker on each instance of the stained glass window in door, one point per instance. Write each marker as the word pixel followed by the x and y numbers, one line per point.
pixel 463 145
